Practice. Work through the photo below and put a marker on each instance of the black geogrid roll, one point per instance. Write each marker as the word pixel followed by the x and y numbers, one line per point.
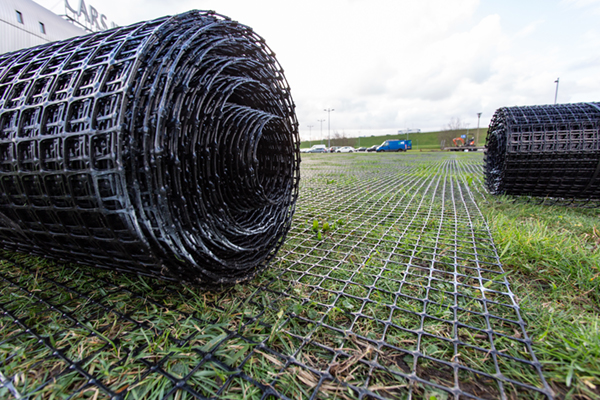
pixel 167 148
pixel 546 151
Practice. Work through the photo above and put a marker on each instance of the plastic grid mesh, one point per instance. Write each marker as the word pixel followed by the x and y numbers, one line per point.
pixel 402 296
pixel 545 151
pixel 167 147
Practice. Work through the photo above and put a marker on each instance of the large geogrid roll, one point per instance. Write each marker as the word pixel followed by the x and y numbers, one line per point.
pixel 545 151
pixel 167 148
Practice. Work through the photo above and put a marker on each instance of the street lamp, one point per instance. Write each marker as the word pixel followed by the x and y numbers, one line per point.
pixel 329 110
pixel 310 133
pixel 321 121
pixel 477 140
pixel 556 93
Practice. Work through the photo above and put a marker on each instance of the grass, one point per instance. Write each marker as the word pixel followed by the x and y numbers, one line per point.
pixel 552 253
pixel 350 306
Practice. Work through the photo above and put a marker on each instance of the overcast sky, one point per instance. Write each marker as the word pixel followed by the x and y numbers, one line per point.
pixel 385 65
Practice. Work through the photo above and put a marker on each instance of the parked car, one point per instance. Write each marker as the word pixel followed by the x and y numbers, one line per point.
pixel 395 145
pixel 345 149
pixel 361 149
pixel 333 149
pixel 373 148
pixel 317 148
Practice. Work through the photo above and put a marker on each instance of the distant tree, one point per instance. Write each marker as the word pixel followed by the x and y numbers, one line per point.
pixel 340 139
pixel 454 128
pixel 455 124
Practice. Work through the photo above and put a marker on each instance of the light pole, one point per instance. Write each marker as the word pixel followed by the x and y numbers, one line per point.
pixel 321 121
pixel 477 139
pixel 556 93
pixel 310 133
pixel 329 110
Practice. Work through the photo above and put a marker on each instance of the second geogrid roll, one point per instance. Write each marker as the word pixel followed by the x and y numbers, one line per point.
pixel 545 151
pixel 167 147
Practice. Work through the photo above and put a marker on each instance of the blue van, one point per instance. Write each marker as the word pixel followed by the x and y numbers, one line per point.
pixel 395 145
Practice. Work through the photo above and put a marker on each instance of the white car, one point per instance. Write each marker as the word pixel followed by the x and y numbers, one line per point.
pixel 345 149
pixel 317 148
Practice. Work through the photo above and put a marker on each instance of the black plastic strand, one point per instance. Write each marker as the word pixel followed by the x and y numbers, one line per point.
pixel 545 151
pixel 166 148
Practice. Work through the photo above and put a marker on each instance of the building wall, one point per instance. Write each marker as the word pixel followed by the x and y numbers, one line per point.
pixel 15 35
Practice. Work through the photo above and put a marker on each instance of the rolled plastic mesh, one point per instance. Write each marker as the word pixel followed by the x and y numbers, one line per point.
pixel 164 148
pixel 546 151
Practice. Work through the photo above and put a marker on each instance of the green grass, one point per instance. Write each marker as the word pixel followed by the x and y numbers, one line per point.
pixel 552 253
pixel 426 140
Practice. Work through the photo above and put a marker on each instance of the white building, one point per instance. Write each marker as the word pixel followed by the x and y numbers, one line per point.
pixel 24 23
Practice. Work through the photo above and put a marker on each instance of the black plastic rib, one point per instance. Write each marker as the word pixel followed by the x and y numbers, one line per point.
pixel 545 151
pixel 167 148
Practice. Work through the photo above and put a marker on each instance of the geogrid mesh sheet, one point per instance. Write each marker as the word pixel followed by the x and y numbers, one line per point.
pixel 402 296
